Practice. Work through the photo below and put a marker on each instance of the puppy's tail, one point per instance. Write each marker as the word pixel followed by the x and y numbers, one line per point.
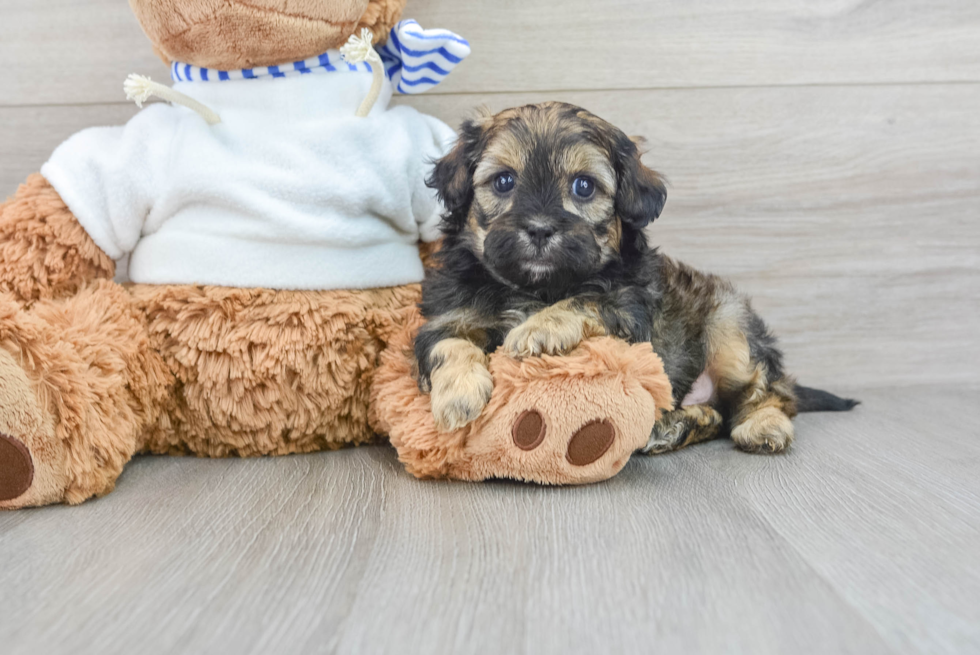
pixel 818 400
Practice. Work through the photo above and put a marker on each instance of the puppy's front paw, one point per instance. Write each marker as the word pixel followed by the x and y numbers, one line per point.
pixel 537 336
pixel 457 397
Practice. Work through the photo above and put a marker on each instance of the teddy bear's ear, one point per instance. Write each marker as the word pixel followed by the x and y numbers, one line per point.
pixel 452 177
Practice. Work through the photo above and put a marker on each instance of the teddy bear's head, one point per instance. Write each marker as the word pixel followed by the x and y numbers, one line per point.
pixel 233 34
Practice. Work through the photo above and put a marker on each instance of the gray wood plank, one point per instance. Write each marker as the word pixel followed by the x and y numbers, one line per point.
pixel 642 564
pixel 161 573
pixel 28 135
pixel 884 505
pixel 849 214
pixel 855 541
pixel 71 51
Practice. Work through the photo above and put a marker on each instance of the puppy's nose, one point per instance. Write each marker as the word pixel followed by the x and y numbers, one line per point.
pixel 539 234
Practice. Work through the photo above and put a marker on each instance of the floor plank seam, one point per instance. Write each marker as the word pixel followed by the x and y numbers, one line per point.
pixel 647 89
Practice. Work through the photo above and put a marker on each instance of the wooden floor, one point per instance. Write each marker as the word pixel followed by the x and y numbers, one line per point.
pixel 862 539
pixel 825 155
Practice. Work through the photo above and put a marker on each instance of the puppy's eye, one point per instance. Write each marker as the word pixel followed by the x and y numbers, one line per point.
pixel 583 186
pixel 503 183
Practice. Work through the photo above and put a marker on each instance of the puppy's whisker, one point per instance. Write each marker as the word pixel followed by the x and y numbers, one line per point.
pixel 552 245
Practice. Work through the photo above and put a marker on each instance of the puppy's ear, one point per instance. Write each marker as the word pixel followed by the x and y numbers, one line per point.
pixel 452 177
pixel 641 192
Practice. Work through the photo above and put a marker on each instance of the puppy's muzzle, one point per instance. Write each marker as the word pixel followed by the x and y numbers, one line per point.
pixel 539 234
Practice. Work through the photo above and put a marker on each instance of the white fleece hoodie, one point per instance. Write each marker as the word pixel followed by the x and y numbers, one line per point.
pixel 289 191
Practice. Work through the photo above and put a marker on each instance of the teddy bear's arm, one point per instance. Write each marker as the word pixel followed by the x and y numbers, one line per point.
pixel 44 251
pixel 112 177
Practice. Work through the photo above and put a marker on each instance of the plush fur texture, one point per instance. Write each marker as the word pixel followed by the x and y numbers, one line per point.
pixel 234 34
pixel 602 380
pixel 44 252
pixel 262 372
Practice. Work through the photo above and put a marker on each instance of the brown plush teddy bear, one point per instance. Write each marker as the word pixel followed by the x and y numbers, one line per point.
pixel 224 275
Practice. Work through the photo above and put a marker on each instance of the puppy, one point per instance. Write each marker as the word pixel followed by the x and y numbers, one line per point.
pixel 544 247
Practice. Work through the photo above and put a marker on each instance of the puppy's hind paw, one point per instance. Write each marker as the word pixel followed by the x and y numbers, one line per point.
pixel 767 430
pixel 666 436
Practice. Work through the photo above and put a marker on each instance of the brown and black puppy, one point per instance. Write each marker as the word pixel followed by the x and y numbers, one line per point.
pixel 544 246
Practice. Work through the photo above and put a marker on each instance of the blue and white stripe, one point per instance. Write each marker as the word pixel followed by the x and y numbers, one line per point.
pixel 415 60
pixel 328 62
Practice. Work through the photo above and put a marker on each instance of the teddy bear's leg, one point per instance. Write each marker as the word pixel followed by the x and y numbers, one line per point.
pixel 568 419
pixel 266 372
pixel 683 427
pixel 78 381
pixel 44 251
pixel 31 457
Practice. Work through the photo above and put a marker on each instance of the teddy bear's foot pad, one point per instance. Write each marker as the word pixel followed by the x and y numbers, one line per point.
pixel 587 445
pixel 590 442
pixel 16 468
pixel 529 430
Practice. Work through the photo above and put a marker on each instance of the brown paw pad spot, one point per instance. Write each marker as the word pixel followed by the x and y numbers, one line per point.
pixel 16 468
pixel 590 442
pixel 528 430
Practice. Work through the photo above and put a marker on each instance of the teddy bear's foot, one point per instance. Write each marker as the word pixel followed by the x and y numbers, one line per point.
pixel 570 419
pixel 575 432
pixel 79 380
pixel 33 462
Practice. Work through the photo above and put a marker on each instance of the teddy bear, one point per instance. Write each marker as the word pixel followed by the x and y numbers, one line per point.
pixel 235 271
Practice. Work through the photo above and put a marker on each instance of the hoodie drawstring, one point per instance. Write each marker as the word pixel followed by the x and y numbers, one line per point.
pixel 361 48
pixel 139 88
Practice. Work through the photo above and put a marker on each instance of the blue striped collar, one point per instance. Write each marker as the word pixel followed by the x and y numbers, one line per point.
pixel 415 60
pixel 328 62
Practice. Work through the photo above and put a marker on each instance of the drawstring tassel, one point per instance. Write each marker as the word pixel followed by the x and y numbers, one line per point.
pixel 361 48
pixel 139 88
